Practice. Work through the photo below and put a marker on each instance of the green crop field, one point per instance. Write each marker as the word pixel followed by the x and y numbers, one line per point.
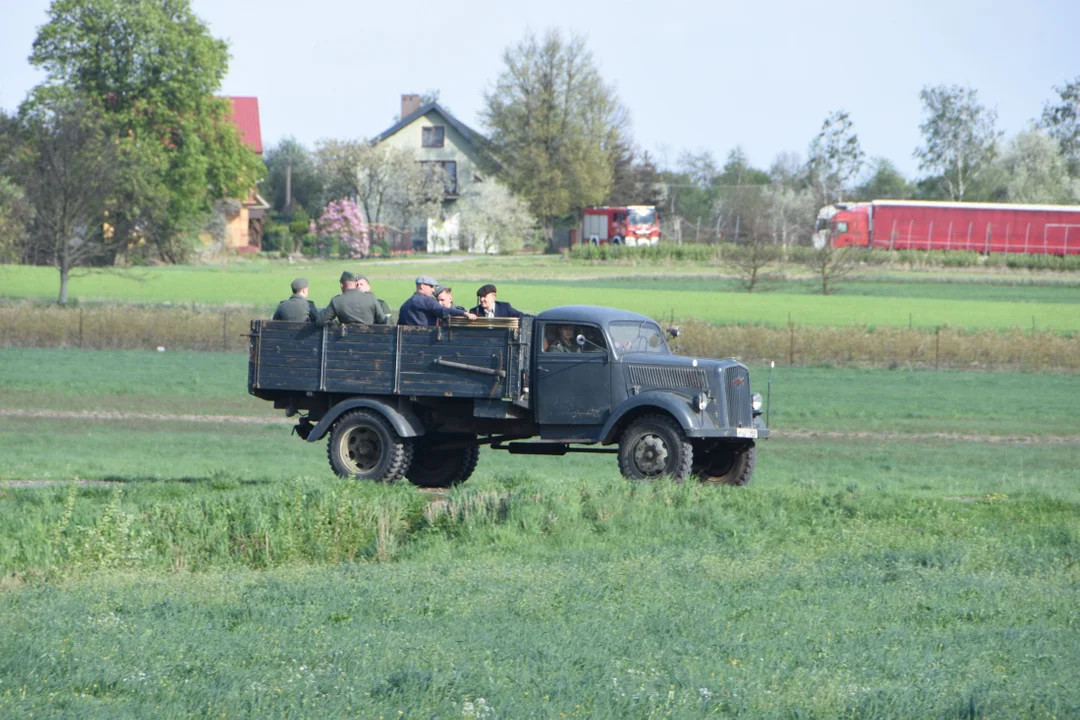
pixel 1007 299
pixel 907 548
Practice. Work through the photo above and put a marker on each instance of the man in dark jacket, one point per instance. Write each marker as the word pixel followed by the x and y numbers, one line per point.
pixel 445 296
pixel 297 308
pixel 423 309
pixel 488 307
pixel 352 305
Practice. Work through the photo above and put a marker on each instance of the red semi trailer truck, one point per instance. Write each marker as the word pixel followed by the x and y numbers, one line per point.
pixel 925 225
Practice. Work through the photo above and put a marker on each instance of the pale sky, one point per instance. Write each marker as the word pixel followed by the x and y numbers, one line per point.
pixel 695 75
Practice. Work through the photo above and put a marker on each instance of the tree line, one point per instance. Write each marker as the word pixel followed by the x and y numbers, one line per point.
pixel 123 155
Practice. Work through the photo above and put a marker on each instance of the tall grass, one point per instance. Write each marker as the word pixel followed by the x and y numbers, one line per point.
pixel 133 327
pixel 915 259
pixel 884 346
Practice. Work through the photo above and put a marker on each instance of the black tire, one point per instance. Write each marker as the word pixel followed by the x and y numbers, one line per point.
pixel 364 445
pixel 726 465
pixel 444 467
pixel 654 446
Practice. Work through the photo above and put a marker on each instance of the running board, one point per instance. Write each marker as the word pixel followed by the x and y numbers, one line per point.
pixel 546 448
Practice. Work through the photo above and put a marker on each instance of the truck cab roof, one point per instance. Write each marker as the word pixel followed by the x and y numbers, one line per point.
pixel 590 314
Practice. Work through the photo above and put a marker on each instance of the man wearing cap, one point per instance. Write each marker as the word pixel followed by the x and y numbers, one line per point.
pixel 423 309
pixel 445 296
pixel 488 307
pixel 297 308
pixel 352 305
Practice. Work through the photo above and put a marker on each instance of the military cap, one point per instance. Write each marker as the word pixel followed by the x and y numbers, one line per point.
pixel 347 277
pixel 440 289
pixel 426 280
pixel 485 289
pixel 299 284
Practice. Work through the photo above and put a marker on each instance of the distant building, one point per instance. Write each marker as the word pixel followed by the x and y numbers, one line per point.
pixel 244 217
pixel 442 141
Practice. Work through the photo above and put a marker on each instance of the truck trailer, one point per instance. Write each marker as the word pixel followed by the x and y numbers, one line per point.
pixel 926 225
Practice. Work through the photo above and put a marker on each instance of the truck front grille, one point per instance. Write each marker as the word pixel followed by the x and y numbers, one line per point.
pixel 668 377
pixel 737 392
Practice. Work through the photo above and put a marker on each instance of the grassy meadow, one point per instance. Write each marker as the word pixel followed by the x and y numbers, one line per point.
pixel 926 299
pixel 924 563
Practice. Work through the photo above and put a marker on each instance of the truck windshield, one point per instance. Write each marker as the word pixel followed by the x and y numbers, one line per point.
pixel 643 216
pixel 630 337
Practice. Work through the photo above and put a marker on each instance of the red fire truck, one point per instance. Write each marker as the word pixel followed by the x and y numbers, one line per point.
pixel 925 225
pixel 633 225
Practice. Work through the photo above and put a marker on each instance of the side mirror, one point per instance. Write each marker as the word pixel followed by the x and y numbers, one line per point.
pixel 673 331
pixel 580 340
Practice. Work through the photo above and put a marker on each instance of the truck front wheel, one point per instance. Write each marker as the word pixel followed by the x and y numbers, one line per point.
pixel 725 464
pixel 363 445
pixel 653 446
pixel 434 467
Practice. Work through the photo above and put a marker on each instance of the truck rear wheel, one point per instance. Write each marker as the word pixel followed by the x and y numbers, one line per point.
pixel 726 465
pixel 654 446
pixel 365 446
pixel 441 468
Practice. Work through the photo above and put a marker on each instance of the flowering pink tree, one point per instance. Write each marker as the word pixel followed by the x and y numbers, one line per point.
pixel 344 220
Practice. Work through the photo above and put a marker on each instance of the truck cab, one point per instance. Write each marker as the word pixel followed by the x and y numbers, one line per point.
pixel 418 402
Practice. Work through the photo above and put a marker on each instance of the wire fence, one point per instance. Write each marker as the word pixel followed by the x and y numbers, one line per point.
pixel 225 330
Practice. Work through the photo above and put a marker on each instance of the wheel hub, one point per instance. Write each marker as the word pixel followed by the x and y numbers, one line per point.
pixel 361 449
pixel 650 455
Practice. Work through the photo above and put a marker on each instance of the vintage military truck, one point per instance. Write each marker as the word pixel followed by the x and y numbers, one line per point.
pixel 417 402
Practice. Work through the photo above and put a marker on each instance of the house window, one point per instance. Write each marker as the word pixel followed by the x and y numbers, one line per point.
pixel 434 136
pixel 448 170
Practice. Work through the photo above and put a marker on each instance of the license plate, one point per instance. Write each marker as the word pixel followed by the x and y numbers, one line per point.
pixel 746 432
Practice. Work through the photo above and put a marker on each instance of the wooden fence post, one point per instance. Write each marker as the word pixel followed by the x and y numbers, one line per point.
pixel 225 330
pixel 80 328
pixel 937 346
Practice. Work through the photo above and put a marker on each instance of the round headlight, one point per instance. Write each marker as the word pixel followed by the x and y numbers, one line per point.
pixel 756 402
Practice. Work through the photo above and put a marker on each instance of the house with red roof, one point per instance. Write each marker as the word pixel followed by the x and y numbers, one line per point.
pixel 244 223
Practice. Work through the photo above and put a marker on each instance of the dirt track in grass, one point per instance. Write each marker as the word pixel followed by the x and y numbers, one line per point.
pixel 105 415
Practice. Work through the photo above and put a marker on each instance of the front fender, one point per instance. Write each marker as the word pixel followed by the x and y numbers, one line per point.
pixel 405 422
pixel 674 405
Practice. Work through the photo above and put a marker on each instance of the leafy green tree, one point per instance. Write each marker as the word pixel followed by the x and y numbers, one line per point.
pixel 1062 122
pixel 635 179
pixel 835 157
pixel 1035 171
pixel 884 182
pixel 555 126
pixel 154 68
pixel 960 135
pixel 291 164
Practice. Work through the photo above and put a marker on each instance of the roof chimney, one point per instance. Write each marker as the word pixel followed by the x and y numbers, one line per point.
pixel 409 105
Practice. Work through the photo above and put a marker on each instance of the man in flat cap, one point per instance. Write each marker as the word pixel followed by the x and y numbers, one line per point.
pixel 423 309
pixel 352 305
pixel 445 295
pixel 488 307
pixel 297 308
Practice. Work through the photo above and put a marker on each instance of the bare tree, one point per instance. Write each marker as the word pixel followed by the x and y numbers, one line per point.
pixel 831 263
pixel 835 157
pixel 960 133
pixel 67 166
pixel 756 251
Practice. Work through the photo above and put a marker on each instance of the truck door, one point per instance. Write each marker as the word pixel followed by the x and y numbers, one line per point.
pixel 573 381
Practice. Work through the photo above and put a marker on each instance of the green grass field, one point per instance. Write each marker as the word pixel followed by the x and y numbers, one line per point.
pixel 1007 299
pixel 223 570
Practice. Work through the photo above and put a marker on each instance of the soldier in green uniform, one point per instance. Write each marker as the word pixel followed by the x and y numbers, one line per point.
pixel 352 305
pixel 297 308
pixel 363 285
